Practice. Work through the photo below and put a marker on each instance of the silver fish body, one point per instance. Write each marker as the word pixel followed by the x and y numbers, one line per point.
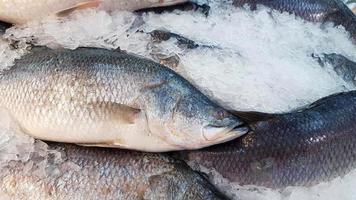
pixel 302 148
pixel 108 98
pixel 70 172
pixel 312 10
pixel 343 66
pixel 22 11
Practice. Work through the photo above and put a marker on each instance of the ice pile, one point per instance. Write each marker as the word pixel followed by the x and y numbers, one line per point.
pixel 261 61
pixel 258 61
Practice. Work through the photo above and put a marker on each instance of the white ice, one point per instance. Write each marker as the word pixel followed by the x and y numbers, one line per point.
pixel 260 61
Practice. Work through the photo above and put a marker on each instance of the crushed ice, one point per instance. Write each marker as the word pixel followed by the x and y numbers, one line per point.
pixel 258 61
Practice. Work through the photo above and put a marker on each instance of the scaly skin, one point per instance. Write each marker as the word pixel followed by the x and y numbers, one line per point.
pixel 97 173
pixel 111 98
pixel 312 10
pixel 296 149
pixel 342 66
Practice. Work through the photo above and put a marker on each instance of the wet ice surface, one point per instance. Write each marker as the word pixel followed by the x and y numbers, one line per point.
pixel 261 61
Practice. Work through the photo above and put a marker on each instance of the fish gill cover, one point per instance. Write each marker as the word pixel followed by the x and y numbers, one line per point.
pixel 250 60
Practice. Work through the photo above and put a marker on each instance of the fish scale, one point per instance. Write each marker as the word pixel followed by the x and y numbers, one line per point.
pixel 334 11
pixel 92 173
pixel 301 148
pixel 99 97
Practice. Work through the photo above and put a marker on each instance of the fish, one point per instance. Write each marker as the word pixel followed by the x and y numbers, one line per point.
pixel 110 98
pixel 65 171
pixel 301 148
pixel 21 12
pixel 185 6
pixel 343 66
pixel 311 10
pixel 164 35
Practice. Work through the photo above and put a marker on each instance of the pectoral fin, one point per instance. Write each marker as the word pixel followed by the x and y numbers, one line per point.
pixel 79 6
pixel 123 113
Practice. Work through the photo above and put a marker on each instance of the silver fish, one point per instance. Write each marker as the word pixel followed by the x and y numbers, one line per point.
pixel 22 11
pixel 312 10
pixel 98 97
pixel 343 66
pixel 69 172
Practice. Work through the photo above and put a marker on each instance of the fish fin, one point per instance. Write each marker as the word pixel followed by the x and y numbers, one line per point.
pixel 79 6
pixel 122 113
pixel 118 143
pixel 252 117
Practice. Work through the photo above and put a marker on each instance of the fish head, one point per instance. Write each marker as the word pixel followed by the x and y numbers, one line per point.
pixel 185 118
pixel 196 122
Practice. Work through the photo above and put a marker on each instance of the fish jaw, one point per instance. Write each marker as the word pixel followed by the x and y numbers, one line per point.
pixel 222 134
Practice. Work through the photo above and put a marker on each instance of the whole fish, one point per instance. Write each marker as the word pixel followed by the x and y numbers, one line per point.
pixel 20 11
pixel 301 148
pixel 312 10
pixel 99 97
pixel 94 173
pixel 343 66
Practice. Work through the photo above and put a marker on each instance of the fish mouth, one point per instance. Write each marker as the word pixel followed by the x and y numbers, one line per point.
pixel 220 134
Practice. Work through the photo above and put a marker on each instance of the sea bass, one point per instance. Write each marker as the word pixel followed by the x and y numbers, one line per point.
pixel 99 97
pixel 20 11
pixel 312 10
pixel 343 66
pixel 300 148
pixel 69 172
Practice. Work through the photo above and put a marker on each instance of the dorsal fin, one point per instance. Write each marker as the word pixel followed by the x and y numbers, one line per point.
pixel 252 117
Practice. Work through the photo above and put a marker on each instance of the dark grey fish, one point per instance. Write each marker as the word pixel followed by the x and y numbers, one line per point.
pixel 343 66
pixel 312 10
pixel 301 148
pixel 98 173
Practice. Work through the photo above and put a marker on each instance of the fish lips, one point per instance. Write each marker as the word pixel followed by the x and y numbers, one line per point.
pixel 219 134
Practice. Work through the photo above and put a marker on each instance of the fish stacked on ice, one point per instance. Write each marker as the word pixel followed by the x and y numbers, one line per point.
pixel 63 171
pixel 19 11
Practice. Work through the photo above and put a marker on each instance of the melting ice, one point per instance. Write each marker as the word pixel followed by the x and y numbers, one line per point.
pixel 259 61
